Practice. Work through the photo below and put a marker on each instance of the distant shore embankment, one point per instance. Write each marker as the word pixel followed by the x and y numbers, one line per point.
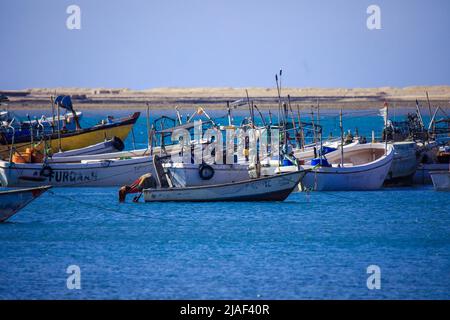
pixel 216 98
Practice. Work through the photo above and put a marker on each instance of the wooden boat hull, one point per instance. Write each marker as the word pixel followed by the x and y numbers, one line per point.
pixel 97 173
pixel 441 180
pixel 369 175
pixel 80 139
pixel 11 201
pixel 274 188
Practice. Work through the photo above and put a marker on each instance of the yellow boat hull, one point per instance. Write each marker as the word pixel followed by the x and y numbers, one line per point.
pixel 73 141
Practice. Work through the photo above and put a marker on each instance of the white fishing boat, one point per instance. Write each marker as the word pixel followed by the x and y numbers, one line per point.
pixel 11 201
pixel 108 146
pixel 441 180
pixel 364 167
pixel 404 164
pixel 65 172
pixel 273 188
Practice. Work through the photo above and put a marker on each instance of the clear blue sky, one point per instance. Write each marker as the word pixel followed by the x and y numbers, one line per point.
pixel 233 43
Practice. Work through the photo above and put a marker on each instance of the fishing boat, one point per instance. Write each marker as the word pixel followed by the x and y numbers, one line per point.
pixel 11 201
pixel 441 180
pixel 404 164
pixel 424 170
pixel 65 141
pixel 433 158
pixel 24 129
pixel 105 147
pixel 273 188
pixel 364 167
pixel 78 172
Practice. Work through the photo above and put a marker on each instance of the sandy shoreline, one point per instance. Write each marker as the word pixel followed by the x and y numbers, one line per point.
pixel 216 98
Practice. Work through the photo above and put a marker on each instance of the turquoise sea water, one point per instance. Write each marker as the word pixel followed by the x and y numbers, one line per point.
pixel 315 245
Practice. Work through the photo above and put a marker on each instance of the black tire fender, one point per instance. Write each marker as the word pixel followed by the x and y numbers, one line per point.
pixel 206 172
pixel 118 143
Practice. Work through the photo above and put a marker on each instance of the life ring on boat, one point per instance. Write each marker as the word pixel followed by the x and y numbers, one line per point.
pixel 118 143
pixel 46 171
pixel 206 172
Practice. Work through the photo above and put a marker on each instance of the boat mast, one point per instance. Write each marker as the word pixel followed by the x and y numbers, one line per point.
pixel 148 126
pixel 302 137
pixel 318 112
pixel 178 115
pixel 250 108
pixel 294 127
pixel 31 132
pixel 53 114
pixel 431 115
pixel 385 127
pixel 59 127
pixel 279 109
pixel 342 138
pixel 313 125
pixel 229 113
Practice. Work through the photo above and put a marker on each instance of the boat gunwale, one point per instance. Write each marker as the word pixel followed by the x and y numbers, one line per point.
pixel 278 175
pixel 23 190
